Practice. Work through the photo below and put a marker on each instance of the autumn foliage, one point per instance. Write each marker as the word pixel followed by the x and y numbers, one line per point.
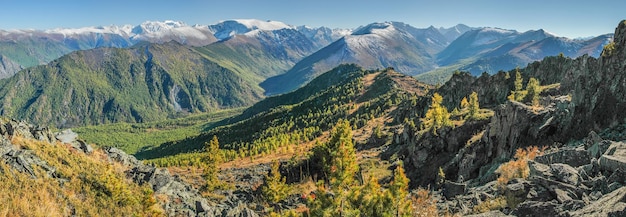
pixel 518 168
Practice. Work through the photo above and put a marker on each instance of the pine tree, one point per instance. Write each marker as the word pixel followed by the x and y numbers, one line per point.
pixel 473 105
pixel 532 92
pixel 275 188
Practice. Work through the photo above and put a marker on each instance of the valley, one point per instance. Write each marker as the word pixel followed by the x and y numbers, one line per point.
pixel 260 118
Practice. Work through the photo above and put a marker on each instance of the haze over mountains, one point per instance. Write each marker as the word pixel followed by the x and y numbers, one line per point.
pixel 256 56
pixel 421 49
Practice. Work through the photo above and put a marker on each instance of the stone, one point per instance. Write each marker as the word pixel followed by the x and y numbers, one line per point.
pixel 536 208
pixel 612 204
pixel 539 169
pixel 618 176
pixel 612 163
pixel 562 195
pixel 494 213
pixel 565 173
pixel 85 147
pixel 67 136
pixel 614 157
pixel 573 157
pixel 597 149
pixel 591 139
pixel 452 189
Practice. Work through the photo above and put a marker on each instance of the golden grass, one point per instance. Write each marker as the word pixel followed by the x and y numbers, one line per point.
pixel 92 186
pixel 490 204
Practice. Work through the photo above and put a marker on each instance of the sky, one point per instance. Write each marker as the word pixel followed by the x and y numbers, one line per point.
pixel 572 18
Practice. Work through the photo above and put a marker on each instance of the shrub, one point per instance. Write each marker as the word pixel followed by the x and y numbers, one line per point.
pixel 517 168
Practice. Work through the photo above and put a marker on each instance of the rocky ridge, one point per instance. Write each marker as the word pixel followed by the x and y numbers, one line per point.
pixel 181 198
pixel 577 176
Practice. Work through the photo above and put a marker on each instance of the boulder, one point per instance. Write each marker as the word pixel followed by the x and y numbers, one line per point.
pixel 452 189
pixel 597 149
pixel 571 156
pixel 565 173
pixel 494 213
pixel 614 157
pixel 536 208
pixel 612 204
pixel 66 136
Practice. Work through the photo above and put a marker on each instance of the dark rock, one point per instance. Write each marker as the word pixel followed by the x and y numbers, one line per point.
pixel 539 169
pixel 614 186
pixel 494 213
pixel 182 199
pixel 597 149
pixel 452 189
pixel 565 173
pixel 591 139
pixel 85 147
pixel 573 157
pixel 618 176
pixel 535 208
pixel 612 204
pixel 614 157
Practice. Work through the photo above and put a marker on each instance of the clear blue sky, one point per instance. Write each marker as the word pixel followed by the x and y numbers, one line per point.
pixel 565 18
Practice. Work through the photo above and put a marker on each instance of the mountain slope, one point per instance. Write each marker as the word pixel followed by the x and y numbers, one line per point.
pixel 509 56
pixel 491 50
pixel 378 45
pixel 261 53
pixel 143 83
pixel 346 92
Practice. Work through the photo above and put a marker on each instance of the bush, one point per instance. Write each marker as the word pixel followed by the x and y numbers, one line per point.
pixel 517 168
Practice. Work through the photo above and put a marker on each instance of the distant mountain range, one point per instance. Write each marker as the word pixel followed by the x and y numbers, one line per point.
pixel 20 49
pixel 251 56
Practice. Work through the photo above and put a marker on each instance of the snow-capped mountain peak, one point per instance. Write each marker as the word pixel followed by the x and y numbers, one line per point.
pixel 228 28
pixel 157 26
pixel 373 28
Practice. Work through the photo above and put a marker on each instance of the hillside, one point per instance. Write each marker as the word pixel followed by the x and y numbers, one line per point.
pixel 261 54
pixel 346 92
pixel 144 83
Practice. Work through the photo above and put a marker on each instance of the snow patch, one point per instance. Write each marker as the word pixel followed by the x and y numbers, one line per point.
pixel 269 25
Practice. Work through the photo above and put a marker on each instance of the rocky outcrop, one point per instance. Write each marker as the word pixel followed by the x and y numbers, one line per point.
pixel 576 176
pixel 563 182
pixel 182 199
